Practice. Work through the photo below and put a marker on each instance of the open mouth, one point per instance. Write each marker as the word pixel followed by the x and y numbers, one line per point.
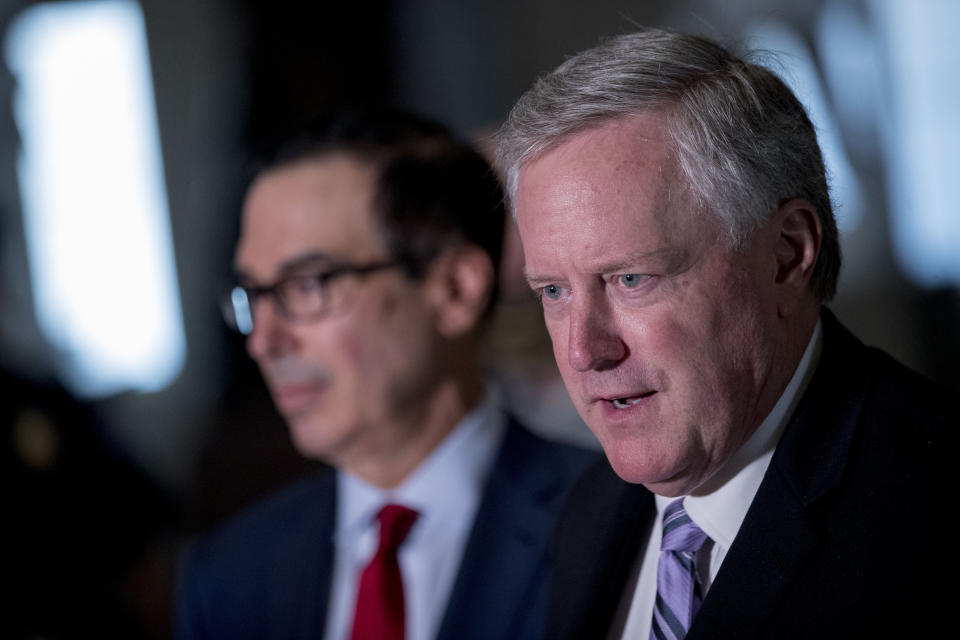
pixel 626 403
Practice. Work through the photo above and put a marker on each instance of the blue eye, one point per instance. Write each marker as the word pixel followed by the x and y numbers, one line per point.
pixel 631 280
pixel 551 292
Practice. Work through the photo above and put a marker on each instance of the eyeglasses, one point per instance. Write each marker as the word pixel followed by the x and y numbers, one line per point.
pixel 299 297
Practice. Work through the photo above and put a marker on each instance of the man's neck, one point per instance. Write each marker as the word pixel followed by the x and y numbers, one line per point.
pixel 414 436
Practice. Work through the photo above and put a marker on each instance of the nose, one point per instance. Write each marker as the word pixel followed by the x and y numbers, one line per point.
pixel 270 336
pixel 593 343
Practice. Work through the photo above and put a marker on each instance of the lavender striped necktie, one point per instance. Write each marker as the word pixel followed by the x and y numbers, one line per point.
pixel 678 586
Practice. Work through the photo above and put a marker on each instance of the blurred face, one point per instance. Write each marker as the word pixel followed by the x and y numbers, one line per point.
pixel 350 384
pixel 663 333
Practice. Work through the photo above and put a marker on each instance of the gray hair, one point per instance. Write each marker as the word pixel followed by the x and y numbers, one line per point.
pixel 742 139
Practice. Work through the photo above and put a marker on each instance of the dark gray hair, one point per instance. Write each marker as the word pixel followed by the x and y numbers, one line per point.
pixel 741 137
pixel 433 190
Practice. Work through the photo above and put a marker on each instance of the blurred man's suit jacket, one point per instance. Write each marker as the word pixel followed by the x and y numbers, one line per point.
pixel 267 573
pixel 849 535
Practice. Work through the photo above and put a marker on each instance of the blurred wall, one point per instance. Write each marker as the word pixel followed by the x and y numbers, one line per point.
pixel 257 68
pixel 228 74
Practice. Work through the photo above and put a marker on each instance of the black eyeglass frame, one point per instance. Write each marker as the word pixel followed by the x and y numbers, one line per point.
pixel 237 303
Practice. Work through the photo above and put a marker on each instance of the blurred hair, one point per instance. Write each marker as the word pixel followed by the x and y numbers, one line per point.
pixel 433 191
pixel 741 137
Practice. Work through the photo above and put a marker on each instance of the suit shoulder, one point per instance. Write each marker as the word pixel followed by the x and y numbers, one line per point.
pixel 909 423
pixel 600 495
pixel 901 390
pixel 253 572
pixel 892 392
pixel 269 524
pixel 522 448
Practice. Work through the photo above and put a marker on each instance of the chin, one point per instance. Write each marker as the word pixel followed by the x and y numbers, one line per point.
pixel 628 467
pixel 311 439
pixel 664 480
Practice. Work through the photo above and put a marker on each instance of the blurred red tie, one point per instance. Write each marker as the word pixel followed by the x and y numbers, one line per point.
pixel 379 614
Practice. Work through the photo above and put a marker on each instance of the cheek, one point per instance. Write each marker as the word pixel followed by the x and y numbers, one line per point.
pixel 557 330
pixel 348 349
pixel 678 350
pixel 358 340
pixel 711 359
pixel 356 351
pixel 384 340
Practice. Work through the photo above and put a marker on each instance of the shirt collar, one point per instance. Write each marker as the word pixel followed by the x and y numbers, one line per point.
pixel 445 487
pixel 721 512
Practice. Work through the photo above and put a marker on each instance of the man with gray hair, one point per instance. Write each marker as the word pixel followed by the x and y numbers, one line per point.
pixel 761 461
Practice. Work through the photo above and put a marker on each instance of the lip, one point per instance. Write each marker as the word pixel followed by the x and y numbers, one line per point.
pixel 609 396
pixel 641 401
pixel 292 398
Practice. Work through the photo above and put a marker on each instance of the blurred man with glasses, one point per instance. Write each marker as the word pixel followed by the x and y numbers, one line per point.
pixel 367 266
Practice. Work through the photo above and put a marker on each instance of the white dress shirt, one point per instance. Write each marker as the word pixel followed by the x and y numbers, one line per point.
pixel 445 490
pixel 721 512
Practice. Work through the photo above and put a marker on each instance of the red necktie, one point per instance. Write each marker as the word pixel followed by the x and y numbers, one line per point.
pixel 379 614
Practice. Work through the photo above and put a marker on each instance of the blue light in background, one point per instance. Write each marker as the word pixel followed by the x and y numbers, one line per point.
pixel 800 74
pixel 922 135
pixel 95 209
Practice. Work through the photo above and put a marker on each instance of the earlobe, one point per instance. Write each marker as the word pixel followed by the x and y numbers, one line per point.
pixel 461 283
pixel 797 248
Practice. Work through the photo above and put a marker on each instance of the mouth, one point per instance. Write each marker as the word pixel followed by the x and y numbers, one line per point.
pixel 293 398
pixel 626 402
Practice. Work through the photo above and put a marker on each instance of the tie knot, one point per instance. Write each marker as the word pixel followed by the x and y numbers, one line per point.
pixel 395 523
pixel 680 533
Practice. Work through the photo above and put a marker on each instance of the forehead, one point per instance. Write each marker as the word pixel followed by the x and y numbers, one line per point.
pixel 315 206
pixel 605 194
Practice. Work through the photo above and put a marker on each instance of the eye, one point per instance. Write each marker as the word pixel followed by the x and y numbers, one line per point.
pixel 551 292
pixel 299 288
pixel 304 284
pixel 631 280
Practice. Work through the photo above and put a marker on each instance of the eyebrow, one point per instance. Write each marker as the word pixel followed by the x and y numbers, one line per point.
pixel 533 279
pixel 312 258
pixel 620 265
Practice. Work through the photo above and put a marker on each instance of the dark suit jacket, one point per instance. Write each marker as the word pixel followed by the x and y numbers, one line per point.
pixel 267 573
pixel 850 533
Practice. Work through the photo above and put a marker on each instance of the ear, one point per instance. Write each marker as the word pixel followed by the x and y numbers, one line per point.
pixel 458 286
pixel 797 245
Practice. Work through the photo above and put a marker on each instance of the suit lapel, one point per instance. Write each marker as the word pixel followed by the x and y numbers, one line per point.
pixel 600 534
pixel 497 584
pixel 769 550
pixel 307 563
pixel 777 537
pixel 323 573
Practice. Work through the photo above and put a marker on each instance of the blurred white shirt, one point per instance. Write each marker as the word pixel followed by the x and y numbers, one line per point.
pixel 445 490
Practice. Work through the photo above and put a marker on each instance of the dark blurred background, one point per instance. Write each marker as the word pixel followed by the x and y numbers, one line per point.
pixel 133 419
